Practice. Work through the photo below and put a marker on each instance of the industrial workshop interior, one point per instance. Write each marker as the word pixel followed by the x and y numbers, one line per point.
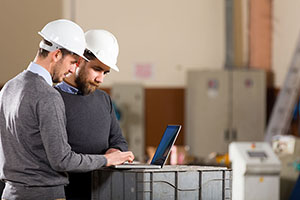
pixel 211 87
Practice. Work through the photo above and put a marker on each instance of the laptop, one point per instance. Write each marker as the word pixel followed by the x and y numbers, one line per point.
pixel 162 152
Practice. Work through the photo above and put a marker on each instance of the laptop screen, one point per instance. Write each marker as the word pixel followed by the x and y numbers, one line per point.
pixel 165 145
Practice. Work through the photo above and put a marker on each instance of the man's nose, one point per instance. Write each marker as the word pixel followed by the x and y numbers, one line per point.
pixel 72 68
pixel 100 77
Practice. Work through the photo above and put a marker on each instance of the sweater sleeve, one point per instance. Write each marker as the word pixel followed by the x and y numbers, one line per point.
pixel 52 123
pixel 116 139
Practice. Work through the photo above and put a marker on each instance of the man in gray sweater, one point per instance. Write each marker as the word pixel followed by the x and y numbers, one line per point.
pixel 34 151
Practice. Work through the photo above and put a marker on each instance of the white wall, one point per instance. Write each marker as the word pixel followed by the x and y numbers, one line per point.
pixel 286 28
pixel 170 35
pixel 20 22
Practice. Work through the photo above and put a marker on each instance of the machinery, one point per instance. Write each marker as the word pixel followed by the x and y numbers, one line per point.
pixel 287 148
pixel 256 171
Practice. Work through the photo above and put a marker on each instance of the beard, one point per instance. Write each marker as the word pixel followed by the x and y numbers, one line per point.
pixel 84 85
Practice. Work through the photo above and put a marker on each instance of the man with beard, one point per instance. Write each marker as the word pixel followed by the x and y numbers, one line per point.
pixel 34 152
pixel 92 126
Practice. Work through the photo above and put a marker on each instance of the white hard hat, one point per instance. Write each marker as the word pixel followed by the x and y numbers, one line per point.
pixel 104 46
pixel 63 33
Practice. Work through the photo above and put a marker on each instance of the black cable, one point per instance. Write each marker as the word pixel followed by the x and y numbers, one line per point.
pixel 181 190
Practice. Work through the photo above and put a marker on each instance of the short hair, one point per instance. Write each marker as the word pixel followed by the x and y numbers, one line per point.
pixel 89 55
pixel 44 53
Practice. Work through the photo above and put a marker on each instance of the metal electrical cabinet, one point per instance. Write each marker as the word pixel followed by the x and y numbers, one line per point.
pixel 224 106
pixel 129 99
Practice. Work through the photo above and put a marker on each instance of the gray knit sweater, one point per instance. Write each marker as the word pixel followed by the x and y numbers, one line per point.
pixel 33 142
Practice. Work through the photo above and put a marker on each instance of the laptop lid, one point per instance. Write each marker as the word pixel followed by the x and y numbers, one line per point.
pixel 164 148
pixel 162 152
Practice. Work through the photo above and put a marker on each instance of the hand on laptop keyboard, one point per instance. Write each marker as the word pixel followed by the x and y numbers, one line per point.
pixel 117 157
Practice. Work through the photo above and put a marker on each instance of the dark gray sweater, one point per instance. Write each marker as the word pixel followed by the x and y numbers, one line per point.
pixel 33 141
pixel 92 126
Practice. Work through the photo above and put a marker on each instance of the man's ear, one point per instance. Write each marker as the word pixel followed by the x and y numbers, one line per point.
pixel 56 55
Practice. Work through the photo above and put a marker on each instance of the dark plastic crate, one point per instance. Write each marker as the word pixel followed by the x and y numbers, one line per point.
pixel 168 183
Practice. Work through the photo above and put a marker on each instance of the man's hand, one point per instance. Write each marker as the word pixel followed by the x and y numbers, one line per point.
pixel 118 157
